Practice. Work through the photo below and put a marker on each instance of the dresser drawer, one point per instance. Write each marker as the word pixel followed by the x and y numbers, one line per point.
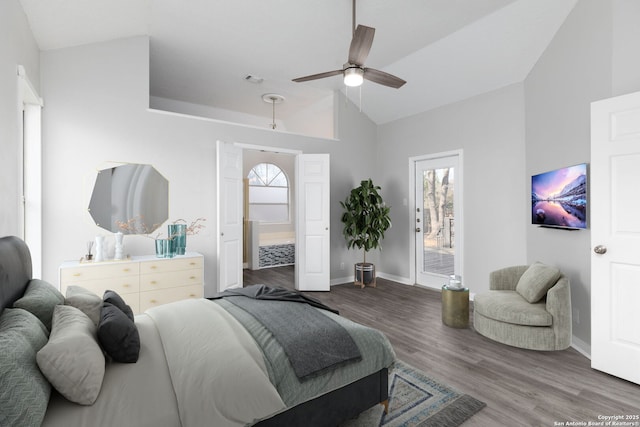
pixel 97 271
pixel 150 299
pixel 171 264
pixel 150 282
pixel 122 285
pixel 133 301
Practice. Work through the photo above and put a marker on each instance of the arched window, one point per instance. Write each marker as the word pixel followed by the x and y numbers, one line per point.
pixel 268 194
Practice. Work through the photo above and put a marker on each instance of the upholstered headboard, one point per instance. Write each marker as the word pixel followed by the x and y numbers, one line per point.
pixel 15 269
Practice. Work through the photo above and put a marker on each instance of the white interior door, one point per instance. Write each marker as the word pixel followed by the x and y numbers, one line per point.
pixel 438 219
pixel 615 236
pixel 229 169
pixel 312 223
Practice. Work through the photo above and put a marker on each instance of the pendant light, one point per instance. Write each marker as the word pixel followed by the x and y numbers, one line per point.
pixel 273 99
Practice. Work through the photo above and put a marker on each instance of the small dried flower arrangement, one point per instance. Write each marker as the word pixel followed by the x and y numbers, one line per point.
pixel 136 225
pixel 193 228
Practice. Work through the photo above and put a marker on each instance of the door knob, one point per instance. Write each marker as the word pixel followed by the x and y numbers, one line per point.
pixel 417 229
pixel 600 249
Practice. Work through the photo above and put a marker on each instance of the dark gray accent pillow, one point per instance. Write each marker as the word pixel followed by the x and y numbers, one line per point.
pixel 25 392
pixel 118 335
pixel 40 298
pixel 113 298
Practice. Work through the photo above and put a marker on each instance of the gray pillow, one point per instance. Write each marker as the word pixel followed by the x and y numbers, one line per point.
pixel 40 298
pixel 25 392
pixel 72 359
pixel 85 301
pixel 536 281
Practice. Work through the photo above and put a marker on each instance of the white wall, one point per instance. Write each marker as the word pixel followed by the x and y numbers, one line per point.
pixel 17 47
pixel 626 45
pixel 315 120
pixel 574 71
pixel 96 111
pixel 489 129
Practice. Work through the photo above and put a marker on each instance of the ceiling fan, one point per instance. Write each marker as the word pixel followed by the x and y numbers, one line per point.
pixel 354 70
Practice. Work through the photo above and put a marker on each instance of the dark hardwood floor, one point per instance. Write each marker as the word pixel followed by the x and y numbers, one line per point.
pixel 520 387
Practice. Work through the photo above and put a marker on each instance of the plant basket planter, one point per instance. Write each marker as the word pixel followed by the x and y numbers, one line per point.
pixel 364 274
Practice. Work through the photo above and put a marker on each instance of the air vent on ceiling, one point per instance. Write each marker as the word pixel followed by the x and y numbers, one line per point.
pixel 253 79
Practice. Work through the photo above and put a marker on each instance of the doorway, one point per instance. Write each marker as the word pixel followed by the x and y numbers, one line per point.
pixel 268 209
pixel 437 218
pixel 311 213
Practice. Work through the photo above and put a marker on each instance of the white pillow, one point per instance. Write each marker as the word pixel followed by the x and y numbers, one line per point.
pixel 72 360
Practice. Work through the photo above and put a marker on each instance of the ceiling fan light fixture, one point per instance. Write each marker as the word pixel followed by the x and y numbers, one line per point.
pixel 353 76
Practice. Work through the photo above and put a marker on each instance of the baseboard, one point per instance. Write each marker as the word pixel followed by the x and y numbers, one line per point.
pixel 398 279
pixel 349 279
pixel 341 280
pixel 581 347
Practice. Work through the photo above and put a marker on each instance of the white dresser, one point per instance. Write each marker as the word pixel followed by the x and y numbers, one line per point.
pixel 142 281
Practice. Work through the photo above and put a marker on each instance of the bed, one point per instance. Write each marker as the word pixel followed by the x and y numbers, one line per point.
pixel 200 362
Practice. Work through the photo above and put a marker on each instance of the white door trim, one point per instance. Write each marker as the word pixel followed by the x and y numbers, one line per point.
pixel 412 207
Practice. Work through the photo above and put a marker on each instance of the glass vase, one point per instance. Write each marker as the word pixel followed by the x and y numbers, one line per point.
pixel 164 248
pixel 178 235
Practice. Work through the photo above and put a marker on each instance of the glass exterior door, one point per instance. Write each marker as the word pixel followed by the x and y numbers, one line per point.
pixel 435 220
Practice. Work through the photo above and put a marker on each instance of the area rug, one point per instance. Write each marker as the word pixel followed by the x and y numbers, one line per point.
pixel 418 401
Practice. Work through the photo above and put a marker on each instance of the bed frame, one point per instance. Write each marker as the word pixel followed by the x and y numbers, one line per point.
pixel 327 410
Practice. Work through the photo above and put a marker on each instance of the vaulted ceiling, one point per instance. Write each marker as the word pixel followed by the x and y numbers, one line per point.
pixel 201 50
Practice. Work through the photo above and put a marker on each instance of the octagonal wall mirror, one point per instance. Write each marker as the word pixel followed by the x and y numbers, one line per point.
pixel 133 193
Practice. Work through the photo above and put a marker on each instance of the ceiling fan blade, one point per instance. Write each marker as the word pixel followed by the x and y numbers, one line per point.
pixel 383 78
pixel 361 45
pixel 318 76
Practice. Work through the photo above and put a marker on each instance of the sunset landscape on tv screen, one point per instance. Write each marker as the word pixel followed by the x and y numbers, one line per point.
pixel 559 197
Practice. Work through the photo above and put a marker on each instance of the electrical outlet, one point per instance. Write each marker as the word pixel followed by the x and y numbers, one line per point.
pixel 342 266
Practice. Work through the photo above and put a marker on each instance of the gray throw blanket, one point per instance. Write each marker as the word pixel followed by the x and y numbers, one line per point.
pixel 312 341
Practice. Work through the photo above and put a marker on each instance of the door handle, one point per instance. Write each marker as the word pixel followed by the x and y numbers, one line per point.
pixel 600 249
pixel 417 229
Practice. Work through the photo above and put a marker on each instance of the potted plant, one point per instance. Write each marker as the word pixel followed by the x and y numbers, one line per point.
pixel 366 218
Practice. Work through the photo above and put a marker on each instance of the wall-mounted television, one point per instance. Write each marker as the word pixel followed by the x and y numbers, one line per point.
pixel 559 198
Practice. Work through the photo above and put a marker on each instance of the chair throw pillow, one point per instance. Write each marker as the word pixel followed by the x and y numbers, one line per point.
pixel 25 392
pixel 536 281
pixel 118 335
pixel 85 301
pixel 72 359
pixel 112 297
pixel 40 298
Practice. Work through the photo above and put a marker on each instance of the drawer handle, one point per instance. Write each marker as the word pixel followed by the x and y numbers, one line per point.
pixel 126 285
pixel 192 263
pixel 192 277
pixel 77 274
pixel 153 267
pixel 192 295
pixel 153 282
pixel 126 270
pixel 153 301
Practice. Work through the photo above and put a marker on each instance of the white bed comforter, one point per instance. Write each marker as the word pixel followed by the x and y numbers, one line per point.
pixel 217 370
pixel 197 366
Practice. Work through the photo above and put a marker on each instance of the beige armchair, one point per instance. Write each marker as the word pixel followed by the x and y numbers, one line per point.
pixel 527 307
